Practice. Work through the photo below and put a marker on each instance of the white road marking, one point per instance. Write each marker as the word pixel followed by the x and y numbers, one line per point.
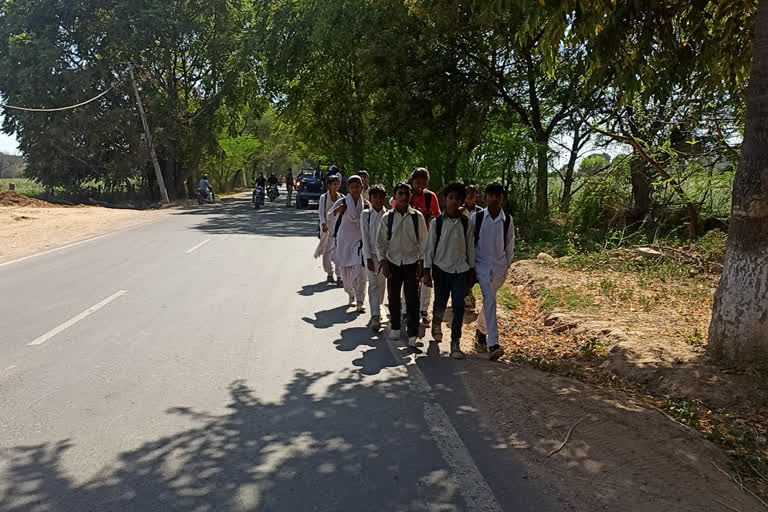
pixel 54 250
pixel 473 487
pixel 72 321
pixel 198 246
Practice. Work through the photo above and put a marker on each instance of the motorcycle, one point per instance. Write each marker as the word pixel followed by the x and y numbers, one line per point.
pixel 273 193
pixel 205 196
pixel 258 197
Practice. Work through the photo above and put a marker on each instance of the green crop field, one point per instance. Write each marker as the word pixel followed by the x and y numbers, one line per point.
pixel 23 186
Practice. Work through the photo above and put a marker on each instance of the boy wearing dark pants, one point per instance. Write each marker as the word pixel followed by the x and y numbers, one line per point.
pixel 494 249
pixel 400 247
pixel 448 264
pixel 470 207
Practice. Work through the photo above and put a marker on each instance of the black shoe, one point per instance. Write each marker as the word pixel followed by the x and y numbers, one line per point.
pixel 340 283
pixel 331 280
pixel 495 352
pixel 481 338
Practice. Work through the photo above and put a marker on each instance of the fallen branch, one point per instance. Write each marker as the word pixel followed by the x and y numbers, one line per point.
pixel 733 479
pixel 673 420
pixel 727 506
pixel 567 437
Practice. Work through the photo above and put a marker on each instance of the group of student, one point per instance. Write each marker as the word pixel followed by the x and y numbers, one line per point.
pixel 411 248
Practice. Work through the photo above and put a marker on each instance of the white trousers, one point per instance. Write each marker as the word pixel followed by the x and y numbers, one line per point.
pixel 329 260
pixel 487 322
pixel 377 288
pixel 354 282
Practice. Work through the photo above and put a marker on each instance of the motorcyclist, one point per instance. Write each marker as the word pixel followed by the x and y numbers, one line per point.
pixel 261 181
pixel 205 188
pixel 273 180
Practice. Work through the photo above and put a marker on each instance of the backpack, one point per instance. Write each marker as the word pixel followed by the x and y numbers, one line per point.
pixel 391 220
pixel 427 204
pixel 366 205
pixel 439 228
pixel 479 223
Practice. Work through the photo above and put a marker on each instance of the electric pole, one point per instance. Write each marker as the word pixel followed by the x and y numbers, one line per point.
pixel 158 172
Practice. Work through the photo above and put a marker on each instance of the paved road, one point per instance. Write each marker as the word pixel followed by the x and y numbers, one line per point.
pixel 198 363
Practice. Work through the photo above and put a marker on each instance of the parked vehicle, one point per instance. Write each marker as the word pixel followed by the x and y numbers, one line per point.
pixel 205 196
pixel 310 185
pixel 273 193
pixel 258 197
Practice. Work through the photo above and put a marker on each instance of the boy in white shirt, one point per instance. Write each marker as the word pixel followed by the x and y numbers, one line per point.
pixel 448 263
pixel 494 250
pixel 370 223
pixel 400 248
pixel 327 218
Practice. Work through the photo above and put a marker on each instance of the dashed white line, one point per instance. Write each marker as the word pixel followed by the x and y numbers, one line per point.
pixel 198 246
pixel 72 321
pixel 473 487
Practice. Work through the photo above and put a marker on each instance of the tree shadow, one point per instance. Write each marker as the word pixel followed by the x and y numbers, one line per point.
pixel 237 216
pixel 308 451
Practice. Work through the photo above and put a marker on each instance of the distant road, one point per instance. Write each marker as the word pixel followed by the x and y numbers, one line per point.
pixel 199 363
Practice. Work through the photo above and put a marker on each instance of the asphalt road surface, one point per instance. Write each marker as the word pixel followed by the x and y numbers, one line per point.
pixel 199 363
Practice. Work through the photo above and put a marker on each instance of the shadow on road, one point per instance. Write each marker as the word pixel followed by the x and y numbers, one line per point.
pixel 330 317
pixel 311 289
pixel 305 452
pixel 237 216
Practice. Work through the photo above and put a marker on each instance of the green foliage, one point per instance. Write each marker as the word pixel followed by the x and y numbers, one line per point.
pixel 508 299
pixel 24 186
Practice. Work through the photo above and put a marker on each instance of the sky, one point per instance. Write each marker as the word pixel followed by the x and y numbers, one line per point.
pixel 8 143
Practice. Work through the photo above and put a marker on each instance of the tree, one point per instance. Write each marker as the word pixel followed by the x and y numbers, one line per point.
pixel 739 328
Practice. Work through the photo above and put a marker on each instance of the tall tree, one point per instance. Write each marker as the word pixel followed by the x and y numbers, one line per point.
pixel 739 328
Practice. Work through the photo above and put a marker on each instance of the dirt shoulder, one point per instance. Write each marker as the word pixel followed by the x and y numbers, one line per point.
pixel 620 455
pixel 28 230
pixel 620 347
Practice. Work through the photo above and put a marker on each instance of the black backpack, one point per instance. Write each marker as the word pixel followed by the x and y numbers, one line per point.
pixel 366 205
pixel 479 223
pixel 428 204
pixel 391 220
pixel 439 228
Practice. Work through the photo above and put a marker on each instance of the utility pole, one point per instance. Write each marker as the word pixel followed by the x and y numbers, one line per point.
pixel 158 172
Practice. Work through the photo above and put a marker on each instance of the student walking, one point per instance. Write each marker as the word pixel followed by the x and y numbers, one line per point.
pixel 425 201
pixel 494 233
pixel 370 223
pixel 400 248
pixel 470 207
pixel 449 262
pixel 327 218
pixel 349 242
pixel 366 184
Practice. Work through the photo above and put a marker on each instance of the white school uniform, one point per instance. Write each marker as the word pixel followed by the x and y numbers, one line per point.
pixel 492 261
pixel 370 224
pixel 324 211
pixel 349 248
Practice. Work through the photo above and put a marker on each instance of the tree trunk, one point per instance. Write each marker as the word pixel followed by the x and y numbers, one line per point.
pixel 739 329
pixel 542 180
pixel 641 176
pixel 565 201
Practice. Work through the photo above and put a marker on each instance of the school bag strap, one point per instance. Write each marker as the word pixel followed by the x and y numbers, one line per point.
pixel 479 223
pixel 391 220
pixel 439 228
pixel 338 225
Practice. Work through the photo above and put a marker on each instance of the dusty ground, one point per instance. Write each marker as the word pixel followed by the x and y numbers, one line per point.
pixel 645 328
pixel 634 344
pixel 621 456
pixel 25 230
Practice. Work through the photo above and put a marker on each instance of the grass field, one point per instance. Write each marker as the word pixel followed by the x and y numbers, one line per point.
pixel 23 186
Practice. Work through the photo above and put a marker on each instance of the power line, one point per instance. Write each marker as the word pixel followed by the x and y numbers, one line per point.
pixel 59 109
